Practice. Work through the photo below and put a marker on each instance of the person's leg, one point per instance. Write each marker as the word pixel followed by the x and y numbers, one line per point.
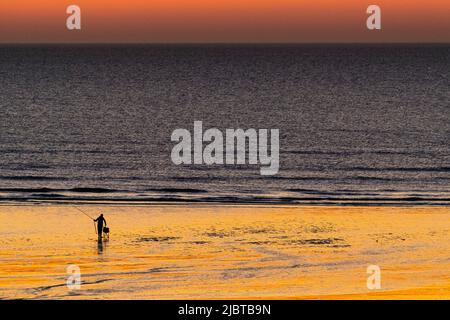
pixel 99 229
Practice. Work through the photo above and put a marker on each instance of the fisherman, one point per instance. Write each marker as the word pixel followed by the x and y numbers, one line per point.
pixel 100 220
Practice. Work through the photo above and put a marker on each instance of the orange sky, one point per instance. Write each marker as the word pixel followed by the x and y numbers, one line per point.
pixel 224 21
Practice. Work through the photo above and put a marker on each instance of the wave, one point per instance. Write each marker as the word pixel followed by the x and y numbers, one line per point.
pixel 233 199
pixel 34 178
pixel 287 195
pixel 398 169
pixel 45 190
pixel 357 152
pixel 177 190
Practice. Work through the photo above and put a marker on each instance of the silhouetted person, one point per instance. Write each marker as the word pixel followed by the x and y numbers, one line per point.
pixel 100 220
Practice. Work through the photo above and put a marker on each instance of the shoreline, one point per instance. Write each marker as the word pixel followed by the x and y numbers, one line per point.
pixel 143 203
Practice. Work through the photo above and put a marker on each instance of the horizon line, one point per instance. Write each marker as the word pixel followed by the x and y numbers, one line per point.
pixel 231 43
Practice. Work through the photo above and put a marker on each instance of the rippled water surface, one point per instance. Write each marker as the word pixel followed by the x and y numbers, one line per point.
pixel 224 251
pixel 359 124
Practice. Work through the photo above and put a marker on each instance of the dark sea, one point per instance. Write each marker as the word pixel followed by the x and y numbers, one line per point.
pixel 359 124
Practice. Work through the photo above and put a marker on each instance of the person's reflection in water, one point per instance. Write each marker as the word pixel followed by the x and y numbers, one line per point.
pixel 101 245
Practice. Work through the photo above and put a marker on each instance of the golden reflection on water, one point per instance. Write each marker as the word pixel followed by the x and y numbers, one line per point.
pixel 213 251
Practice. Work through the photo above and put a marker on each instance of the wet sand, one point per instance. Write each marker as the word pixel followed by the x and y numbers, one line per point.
pixel 225 252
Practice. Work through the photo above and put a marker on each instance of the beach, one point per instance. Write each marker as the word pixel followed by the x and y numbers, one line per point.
pixel 216 251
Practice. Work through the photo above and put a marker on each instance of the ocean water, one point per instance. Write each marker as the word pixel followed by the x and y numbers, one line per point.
pixel 358 124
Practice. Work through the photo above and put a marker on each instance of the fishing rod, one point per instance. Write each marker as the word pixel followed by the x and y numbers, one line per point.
pixel 84 213
pixel 87 216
